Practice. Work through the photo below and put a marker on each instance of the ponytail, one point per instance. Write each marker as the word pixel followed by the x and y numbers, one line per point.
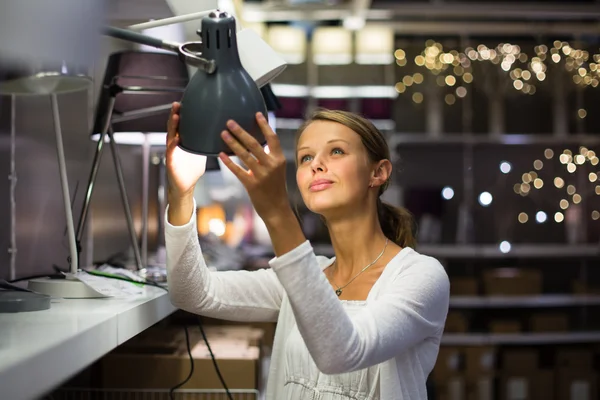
pixel 397 224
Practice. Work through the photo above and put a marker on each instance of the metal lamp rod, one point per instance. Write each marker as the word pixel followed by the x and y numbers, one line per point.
pixel 135 37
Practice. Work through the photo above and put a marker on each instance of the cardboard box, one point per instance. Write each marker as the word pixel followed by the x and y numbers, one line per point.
pixel 464 286
pixel 481 388
pixel 479 360
pixel 512 282
pixel 453 388
pixel 573 384
pixel 449 363
pixel 520 361
pixel 504 326
pixel 455 323
pixel 141 369
pixel 543 322
pixel 574 358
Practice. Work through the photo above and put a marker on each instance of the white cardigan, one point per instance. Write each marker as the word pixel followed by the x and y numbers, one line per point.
pixel 400 328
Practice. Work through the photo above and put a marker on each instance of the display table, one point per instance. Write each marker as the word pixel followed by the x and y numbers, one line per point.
pixel 40 350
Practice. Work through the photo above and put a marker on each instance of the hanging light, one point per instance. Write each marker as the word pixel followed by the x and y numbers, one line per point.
pixel 374 45
pixel 289 42
pixel 332 46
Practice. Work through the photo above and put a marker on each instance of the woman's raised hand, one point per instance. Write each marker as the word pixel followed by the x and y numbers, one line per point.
pixel 264 179
pixel 183 169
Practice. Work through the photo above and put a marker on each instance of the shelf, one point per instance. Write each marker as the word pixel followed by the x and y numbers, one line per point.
pixel 482 339
pixel 541 301
pixel 483 139
pixel 40 350
pixel 493 251
pixel 517 250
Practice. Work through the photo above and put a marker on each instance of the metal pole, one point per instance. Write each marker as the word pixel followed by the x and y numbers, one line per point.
pixel 94 173
pixel 13 185
pixel 65 185
pixel 145 185
pixel 125 201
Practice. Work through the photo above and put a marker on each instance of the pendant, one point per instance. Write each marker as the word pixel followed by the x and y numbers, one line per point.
pixel 338 292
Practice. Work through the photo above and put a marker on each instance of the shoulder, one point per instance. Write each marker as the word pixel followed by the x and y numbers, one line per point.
pixel 410 263
pixel 324 262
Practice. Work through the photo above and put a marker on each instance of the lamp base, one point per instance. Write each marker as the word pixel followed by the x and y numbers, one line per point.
pixel 14 301
pixel 68 288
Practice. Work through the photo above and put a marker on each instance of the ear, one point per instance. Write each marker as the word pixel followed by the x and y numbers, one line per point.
pixel 381 173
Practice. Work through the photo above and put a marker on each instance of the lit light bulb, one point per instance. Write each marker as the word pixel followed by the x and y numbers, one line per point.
pixel 447 193
pixel 485 199
pixel 541 217
pixel 504 246
pixel 523 217
pixel 559 217
pixel 505 167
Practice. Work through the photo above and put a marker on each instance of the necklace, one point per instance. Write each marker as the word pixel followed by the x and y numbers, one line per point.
pixel 339 289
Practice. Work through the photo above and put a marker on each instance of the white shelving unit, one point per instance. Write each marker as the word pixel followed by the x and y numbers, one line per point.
pixel 40 350
pixel 482 339
pixel 541 301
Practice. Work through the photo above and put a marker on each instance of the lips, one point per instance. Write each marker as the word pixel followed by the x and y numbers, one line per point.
pixel 320 184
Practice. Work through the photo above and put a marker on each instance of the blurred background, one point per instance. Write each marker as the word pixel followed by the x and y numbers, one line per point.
pixel 491 113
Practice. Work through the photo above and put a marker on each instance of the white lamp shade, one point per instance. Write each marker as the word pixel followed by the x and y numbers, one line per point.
pixel 258 58
pixel 375 45
pixel 289 42
pixel 332 45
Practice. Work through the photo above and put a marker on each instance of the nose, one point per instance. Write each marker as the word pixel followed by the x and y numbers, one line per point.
pixel 318 165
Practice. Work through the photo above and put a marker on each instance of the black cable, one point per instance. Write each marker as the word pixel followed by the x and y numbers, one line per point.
pixel 189 351
pixel 187 339
pixel 214 360
pixel 187 336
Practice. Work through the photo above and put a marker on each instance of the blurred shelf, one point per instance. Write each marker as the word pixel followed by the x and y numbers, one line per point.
pixel 517 250
pixel 482 139
pixel 493 251
pixel 481 339
pixel 558 300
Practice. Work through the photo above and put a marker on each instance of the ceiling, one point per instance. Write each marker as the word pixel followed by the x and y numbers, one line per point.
pixel 416 17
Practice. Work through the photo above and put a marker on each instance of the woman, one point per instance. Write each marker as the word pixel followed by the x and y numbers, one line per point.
pixel 365 324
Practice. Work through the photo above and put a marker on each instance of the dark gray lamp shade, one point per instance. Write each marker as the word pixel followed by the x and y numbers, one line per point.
pixel 212 99
pixel 141 80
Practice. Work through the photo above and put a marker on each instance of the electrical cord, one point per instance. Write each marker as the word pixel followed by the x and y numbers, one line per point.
pixel 189 351
pixel 187 336
pixel 187 340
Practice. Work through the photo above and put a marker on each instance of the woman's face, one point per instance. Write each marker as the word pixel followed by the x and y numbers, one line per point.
pixel 333 168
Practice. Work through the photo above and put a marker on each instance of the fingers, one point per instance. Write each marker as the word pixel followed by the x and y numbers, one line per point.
pixel 270 136
pixel 173 122
pixel 244 154
pixel 237 170
pixel 248 143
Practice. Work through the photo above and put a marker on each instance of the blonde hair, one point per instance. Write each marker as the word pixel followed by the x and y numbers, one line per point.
pixel 397 223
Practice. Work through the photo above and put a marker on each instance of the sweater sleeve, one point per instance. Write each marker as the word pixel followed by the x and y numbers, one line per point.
pixel 413 309
pixel 249 296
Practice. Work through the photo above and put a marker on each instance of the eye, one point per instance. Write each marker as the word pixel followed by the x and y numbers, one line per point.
pixel 304 158
pixel 337 150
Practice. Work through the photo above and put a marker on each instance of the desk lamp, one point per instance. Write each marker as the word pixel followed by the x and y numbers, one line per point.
pixel 222 89
pixel 51 82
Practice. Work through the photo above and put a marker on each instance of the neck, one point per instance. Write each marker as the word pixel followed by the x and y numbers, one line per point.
pixel 356 240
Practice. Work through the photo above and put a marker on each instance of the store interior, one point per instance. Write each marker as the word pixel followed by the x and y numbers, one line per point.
pixel 488 110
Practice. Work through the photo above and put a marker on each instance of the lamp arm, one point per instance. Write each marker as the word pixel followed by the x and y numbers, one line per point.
pixel 135 37
pixel 169 21
pixel 186 51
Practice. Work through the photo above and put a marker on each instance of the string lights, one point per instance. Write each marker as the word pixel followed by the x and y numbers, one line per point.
pixel 567 180
pixel 453 69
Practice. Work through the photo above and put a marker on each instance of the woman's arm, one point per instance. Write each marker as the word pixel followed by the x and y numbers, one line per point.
pixel 231 295
pixel 413 310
